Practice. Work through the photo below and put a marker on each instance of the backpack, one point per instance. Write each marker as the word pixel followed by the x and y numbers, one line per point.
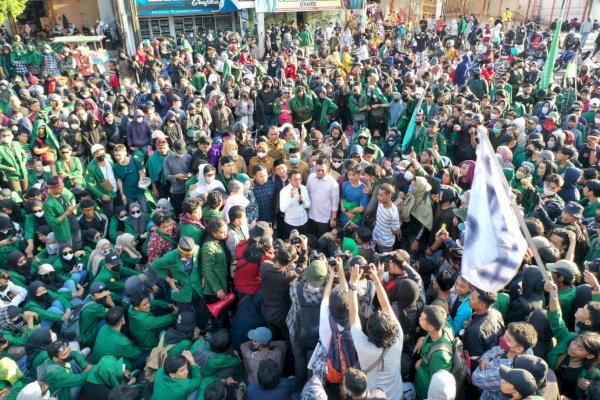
pixel 341 354
pixel 156 359
pixel 307 321
pixel 70 328
pixel 459 362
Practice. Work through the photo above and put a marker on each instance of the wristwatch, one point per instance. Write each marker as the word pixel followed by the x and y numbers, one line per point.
pixel 352 287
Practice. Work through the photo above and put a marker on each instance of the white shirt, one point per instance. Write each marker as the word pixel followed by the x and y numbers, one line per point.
pixel 389 380
pixel 109 174
pixel 236 200
pixel 327 190
pixel 5 300
pixel 295 213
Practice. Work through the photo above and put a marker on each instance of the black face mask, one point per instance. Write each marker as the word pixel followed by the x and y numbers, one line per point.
pixel 528 153
pixel 67 359
pixel 116 268
pixel 101 300
pixel 100 158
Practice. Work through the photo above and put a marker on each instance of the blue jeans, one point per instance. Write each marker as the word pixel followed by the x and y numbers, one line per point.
pixel 584 37
pixel 56 308
pixel 269 120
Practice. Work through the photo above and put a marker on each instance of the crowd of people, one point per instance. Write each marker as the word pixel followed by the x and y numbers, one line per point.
pixel 190 223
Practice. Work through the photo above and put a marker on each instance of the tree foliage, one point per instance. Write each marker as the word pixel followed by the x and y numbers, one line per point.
pixel 11 8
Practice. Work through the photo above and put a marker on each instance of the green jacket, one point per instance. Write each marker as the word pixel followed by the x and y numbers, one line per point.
pixel 131 230
pixel 170 265
pixel 594 250
pixel 13 157
pixel 425 141
pixel 589 209
pixel 562 335
pixel 94 178
pixel 62 380
pixel 438 360
pixel 302 109
pixel 328 109
pixel 111 342
pixel 306 38
pixel 18 338
pixel 166 387
pixel 214 267
pixel 48 315
pixel 108 372
pixel 74 171
pixel 192 231
pixel 50 137
pixel 356 103
pixel 179 347
pixel 566 298
pixel 145 327
pixel 91 313
pixel 53 209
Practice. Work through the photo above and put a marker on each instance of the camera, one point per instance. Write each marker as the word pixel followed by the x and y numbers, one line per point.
pixel 332 261
pixel 384 258
pixel 295 237
pixel 313 255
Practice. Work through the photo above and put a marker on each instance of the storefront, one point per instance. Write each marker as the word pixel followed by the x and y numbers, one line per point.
pixel 163 18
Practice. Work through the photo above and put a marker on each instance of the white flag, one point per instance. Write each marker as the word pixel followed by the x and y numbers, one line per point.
pixel 493 244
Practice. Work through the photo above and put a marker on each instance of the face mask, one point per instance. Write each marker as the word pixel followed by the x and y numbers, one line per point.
pixel 548 192
pixel 74 126
pixel 139 120
pixel 551 145
pixel 391 142
pixel 105 251
pixel 336 164
pixel 411 189
pixel 177 104
pixel 136 214
pixel 505 138
pixel 494 116
pixel 116 268
pixel 261 154
pixel 545 110
pixel 597 120
pixel 122 219
pixel 503 344
pixel 496 129
pixel 208 180
pixel 521 174
pixel 396 100
pixel 528 153
pixel 294 160
pixel 233 153
pixel 408 176
pixel 16 128
pixel 7 139
pixel 52 248
pixel 39 214
pixel 68 257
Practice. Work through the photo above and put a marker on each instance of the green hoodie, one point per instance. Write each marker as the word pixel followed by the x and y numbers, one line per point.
pixel 50 137
pixel 365 131
pixel 108 372
pixel 302 109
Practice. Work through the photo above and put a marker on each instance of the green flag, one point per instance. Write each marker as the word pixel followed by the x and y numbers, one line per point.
pixel 410 131
pixel 549 64
pixel 571 70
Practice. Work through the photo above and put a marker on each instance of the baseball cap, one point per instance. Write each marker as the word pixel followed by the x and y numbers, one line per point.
pixel 461 213
pixel 261 335
pixel 447 193
pixel 535 365
pixel 112 258
pixel 45 269
pixel 522 380
pixel 186 321
pixel 594 103
pixel 566 268
pixel 575 209
pixel 99 288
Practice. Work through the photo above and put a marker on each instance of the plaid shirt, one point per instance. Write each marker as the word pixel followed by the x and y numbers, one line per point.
pixel 51 64
pixel 264 200
pixel 21 67
pixel 489 379
pixel 311 297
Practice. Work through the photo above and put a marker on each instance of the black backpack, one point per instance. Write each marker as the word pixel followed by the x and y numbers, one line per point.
pixel 459 362
pixel 307 321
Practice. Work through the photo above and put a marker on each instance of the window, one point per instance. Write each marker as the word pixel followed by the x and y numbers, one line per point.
pixel 154 27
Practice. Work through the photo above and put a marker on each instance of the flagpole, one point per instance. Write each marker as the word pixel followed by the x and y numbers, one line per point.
pixel 411 123
pixel 485 141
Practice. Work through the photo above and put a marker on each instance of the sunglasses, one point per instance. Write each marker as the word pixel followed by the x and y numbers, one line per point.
pixel 138 212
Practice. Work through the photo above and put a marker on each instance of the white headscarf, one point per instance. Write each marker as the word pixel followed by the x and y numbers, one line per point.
pixel 96 256
pixel 203 187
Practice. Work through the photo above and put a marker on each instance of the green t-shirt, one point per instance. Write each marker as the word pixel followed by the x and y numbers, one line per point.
pixel 130 175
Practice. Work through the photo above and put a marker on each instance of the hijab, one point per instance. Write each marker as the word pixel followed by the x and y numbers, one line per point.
pixel 39 341
pixel 44 301
pixel 12 264
pixel 138 224
pixel 52 237
pixel 164 203
pixel 96 257
pixel 124 242
pixel 68 265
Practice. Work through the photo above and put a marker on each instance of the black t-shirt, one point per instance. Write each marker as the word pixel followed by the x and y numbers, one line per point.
pixel 584 155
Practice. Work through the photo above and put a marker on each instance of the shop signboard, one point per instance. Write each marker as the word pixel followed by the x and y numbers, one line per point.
pixel 172 7
pixel 271 6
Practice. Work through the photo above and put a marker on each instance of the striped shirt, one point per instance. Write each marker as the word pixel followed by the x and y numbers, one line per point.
pixel 326 197
pixel 388 220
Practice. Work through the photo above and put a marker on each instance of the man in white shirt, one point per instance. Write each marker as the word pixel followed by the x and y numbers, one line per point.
pixel 10 294
pixel 320 185
pixel 294 202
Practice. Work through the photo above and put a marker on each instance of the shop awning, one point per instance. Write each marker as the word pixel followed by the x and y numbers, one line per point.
pixel 168 7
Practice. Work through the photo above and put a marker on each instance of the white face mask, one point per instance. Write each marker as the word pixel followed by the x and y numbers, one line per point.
pixel 106 251
pixel 101 99
pixel 261 154
pixel 39 214
pixel 16 128
pixel 7 139
pixel 74 126
pixel 233 153
pixel 548 192
pixel 408 176
pixel 139 120
pixel 68 257
pixel 208 180
pixel 52 248
pixel 336 164
pixel 123 218
pixel 493 116
pixel 545 110
pixel 550 145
